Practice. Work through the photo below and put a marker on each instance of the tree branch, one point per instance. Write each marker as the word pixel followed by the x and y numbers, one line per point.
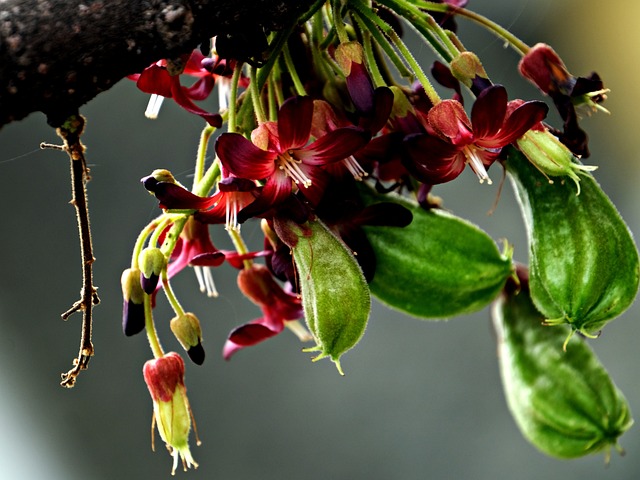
pixel 57 55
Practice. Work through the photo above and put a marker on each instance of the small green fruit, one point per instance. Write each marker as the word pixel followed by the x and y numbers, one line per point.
pixel 564 403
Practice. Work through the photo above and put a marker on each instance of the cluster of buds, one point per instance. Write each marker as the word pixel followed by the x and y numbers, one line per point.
pixel 321 119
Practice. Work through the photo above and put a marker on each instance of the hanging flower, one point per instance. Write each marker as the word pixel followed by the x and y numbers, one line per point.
pixel 164 377
pixel 458 141
pixel 545 69
pixel 279 307
pixel 158 80
pixel 278 154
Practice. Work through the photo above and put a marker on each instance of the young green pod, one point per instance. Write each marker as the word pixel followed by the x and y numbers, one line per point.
pixel 438 266
pixel 583 261
pixel 564 403
pixel 335 295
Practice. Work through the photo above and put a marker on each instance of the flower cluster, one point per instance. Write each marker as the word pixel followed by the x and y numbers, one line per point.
pixel 310 127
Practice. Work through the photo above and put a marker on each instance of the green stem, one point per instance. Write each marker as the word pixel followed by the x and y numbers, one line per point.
pixel 150 328
pixel 168 291
pixel 297 83
pixel 336 8
pixel 209 179
pixel 426 26
pixel 256 96
pixel 233 100
pixel 496 29
pixel 238 243
pixel 383 42
pixel 207 131
pixel 376 76
pixel 142 238
pixel 364 12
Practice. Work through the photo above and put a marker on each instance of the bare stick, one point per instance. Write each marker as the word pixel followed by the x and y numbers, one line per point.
pixel 70 132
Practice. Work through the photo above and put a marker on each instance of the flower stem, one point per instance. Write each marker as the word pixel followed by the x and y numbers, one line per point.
pixel 233 97
pixel 499 31
pixel 168 291
pixel 256 97
pixel 288 60
pixel 150 328
pixel 207 131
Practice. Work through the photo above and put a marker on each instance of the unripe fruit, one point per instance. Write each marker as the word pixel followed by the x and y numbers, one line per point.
pixel 564 403
pixel 583 262
pixel 438 266
pixel 335 295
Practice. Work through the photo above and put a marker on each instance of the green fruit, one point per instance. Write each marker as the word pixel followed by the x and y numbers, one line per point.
pixel 583 261
pixel 564 403
pixel 438 266
pixel 335 295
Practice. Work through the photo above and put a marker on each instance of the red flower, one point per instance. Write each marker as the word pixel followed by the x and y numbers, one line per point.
pixel 157 80
pixel 440 158
pixel 278 307
pixel 279 154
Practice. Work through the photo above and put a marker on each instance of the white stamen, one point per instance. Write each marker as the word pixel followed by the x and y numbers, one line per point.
pixel 299 330
pixel 354 168
pixel 291 167
pixel 232 213
pixel 224 92
pixel 153 107
pixel 475 162
pixel 205 281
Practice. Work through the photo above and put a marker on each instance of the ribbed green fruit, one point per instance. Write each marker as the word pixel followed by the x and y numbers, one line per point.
pixel 335 295
pixel 583 261
pixel 564 403
pixel 438 266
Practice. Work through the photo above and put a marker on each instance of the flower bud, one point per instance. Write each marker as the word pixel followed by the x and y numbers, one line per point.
pixel 133 302
pixel 164 377
pixel 466 67
pixel 186 328
pixel 551 156
pixel 151 261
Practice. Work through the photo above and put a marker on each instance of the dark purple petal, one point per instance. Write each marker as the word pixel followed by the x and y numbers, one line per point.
pixel 335 145
pixel 243 159
pixel 488 112
pixel 175 197
pixel 196 354
pixel 444 77
pixel 132 318
pixel 294 123
pixel 149 284
pixel 360 88
pixel 383 103
pixel 432 160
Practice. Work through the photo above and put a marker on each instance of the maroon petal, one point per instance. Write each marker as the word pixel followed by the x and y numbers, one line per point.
pixel 432 160
pixel 175 197
pixel 246 336
pixel 201 89
pixel 488 111
pixel 335 145
pixel 294 122
pixel 181 98
pixel 276 190
pixel 155 79
pixel 522 119
pixel 243 159
pixel 209 259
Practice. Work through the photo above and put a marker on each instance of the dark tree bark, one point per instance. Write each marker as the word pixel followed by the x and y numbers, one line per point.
pixel 56 55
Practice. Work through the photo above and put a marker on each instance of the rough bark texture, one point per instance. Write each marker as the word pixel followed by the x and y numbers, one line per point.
pixel 57 55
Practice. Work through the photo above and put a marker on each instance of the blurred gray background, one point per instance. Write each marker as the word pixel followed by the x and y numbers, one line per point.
pixel 419 400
